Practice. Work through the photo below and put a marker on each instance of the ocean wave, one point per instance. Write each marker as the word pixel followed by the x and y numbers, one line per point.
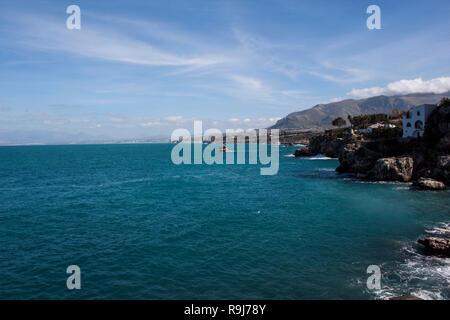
pixel 420 274
pixel 318 174
pixel 113 183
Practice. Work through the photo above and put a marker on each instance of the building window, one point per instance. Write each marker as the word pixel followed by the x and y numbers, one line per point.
pixel 418 113
pixel 408 125
pixel 419 125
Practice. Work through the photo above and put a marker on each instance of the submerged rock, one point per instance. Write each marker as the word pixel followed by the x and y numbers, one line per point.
pixel 392 169
pixel 429 184
pixel 436 245
pixel 406 297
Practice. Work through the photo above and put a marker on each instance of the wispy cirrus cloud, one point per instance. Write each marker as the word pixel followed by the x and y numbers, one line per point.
pixel 250 88
pixel 110 44
pixel 248 83
pixel 4 108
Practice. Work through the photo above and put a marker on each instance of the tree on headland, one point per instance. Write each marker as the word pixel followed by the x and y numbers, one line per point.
pixel 349 118
pixel 394 114
pixel 338 122
pixel 444 102
pixel 365 120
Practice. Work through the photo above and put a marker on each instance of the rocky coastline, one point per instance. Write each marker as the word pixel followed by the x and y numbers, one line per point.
pixel 425 161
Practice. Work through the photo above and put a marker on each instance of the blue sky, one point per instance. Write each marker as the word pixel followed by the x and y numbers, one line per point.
pixel 139 69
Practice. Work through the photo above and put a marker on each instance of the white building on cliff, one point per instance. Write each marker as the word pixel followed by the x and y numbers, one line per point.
pixel 414 123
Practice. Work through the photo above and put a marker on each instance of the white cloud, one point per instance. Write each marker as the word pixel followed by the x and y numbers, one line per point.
pixel 251 123
pixel 336 99
pixel 437 85
pixel 174 118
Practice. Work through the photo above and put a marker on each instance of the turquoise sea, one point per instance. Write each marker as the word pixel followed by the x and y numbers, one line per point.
pixel 140 227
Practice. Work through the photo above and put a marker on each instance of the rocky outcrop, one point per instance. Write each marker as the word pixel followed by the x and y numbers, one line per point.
pixel 322 144
pixel 399 159
pixel 437 130
pixel 429 184
pixel 392 169
pixel 436 245
pixel 356 159
pixel 331 147
pixel 304 152
pixel 433 164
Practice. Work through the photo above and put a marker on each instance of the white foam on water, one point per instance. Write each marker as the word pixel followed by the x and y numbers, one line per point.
pixel 428 295
pixel 112 183
pixel 289 156
pixel 422 275
pixel 401 185
pixel 420 278
pixel 442 229
pixel 402 188
pixel 319 157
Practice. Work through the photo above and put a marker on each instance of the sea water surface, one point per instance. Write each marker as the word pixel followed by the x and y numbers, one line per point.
pixel 140 227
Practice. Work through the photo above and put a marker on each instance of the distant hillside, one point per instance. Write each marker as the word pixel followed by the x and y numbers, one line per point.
pixel 320 116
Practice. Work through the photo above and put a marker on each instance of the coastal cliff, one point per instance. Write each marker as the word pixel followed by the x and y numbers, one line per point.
pixel 425 160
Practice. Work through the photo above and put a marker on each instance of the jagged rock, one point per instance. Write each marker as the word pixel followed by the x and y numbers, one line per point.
pixel 304 152
pixel 442 170
pixel 436 245
pixel 355 158
pixel 429 184
pixel 436 169
pixel 362 176
pixel 444 162
pixel 437 128
pixel 331 147
pixel 392 169
pixel 406 297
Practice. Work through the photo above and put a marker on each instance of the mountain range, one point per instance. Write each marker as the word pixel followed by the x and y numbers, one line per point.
pixel 320 116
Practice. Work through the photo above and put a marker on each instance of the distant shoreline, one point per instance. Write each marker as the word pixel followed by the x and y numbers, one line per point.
pixel 79 144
